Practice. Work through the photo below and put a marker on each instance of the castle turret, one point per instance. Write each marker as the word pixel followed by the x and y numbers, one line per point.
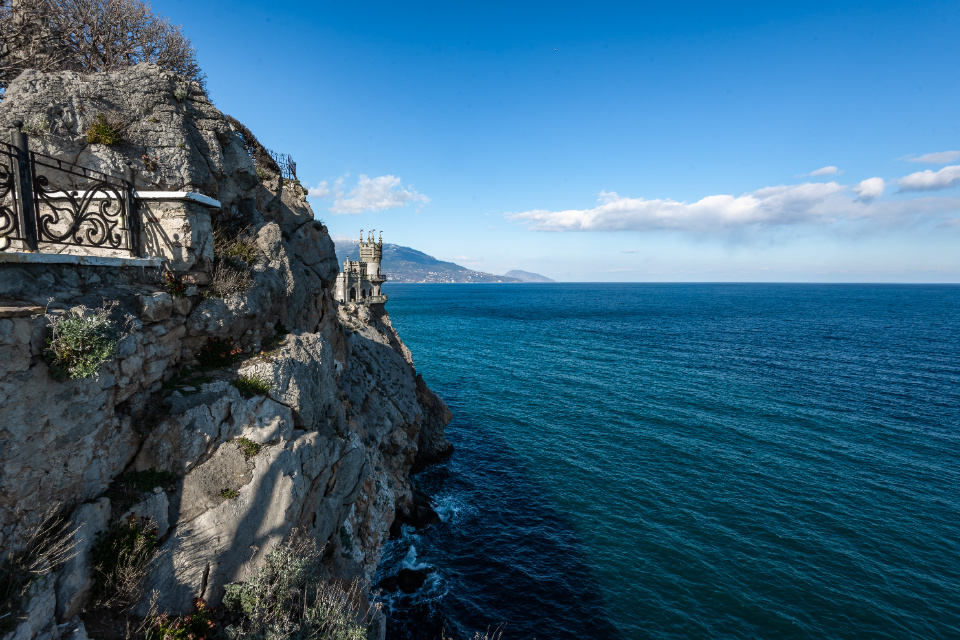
pixel 371 252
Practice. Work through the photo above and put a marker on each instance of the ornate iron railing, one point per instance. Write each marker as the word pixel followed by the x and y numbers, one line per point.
pixel 47 204
pixel 9 208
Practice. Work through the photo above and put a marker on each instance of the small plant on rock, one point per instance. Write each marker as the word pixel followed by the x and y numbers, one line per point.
pixel 102 131
pixel 248 447
pixel 236 248
pixel 150 164
pixel 229 493
pixel 250 386
pixel 120 559
pixel 81 341
pixel 37 124
pixel 218 352
pixel 197 625
pixel 174 284
pixel 234 254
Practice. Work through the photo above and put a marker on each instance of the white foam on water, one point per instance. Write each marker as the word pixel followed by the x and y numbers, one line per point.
pixel 451 509
pixel 410 561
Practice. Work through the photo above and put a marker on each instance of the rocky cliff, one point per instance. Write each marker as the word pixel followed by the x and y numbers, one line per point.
pixel 339 424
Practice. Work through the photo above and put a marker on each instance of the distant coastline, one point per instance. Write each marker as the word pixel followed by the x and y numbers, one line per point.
pixel 407 265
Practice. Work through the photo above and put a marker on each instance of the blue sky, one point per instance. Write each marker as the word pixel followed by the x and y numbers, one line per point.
pixel 613 142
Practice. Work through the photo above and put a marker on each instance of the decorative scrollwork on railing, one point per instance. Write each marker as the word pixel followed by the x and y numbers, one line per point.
pixel 94 217
pixel 9 219
pixel 52 205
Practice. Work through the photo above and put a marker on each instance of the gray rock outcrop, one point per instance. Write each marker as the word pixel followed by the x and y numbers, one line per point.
pixel 328 450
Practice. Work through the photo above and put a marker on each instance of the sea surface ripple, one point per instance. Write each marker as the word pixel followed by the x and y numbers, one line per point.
pixel 688 461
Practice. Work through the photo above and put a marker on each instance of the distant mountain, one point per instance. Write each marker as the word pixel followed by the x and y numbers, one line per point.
pixel 527 276
pixel 403 264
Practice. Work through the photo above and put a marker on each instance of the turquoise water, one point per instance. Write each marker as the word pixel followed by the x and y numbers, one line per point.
pixel 702 460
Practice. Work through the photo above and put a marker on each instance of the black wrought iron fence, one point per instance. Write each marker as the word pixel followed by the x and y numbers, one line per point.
pixel 48 205
pixel 288 168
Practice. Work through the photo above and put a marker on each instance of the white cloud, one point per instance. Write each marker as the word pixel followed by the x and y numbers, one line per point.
pixel 825 171
pixel 368 194
pixel 869 189
pixel 809 203
pixel 928 180
pixel 322 190
pixel 938 157
pixel 374 194
pixel 767 206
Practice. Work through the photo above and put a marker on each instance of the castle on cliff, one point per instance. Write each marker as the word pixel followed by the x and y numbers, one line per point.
pixel 359 281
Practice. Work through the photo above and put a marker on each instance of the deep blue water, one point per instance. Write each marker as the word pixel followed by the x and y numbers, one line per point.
pixel 689 460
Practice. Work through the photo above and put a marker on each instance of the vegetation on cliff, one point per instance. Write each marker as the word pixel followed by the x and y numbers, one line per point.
pixel 89 35
pixel 81 341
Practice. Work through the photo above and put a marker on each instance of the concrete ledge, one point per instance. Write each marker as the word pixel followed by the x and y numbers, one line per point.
pixel 182 196
pixel 67 258
pixel 188 196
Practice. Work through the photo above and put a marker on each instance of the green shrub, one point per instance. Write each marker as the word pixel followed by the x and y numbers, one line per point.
pixel 120 559
pixel 286 599
pixel 250 386
pixel 244 249
pixel 80 341
pixel 229 494
pixel 248 447
pixel 103 132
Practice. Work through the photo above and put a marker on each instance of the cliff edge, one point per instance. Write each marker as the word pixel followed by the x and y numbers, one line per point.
pixel 324 438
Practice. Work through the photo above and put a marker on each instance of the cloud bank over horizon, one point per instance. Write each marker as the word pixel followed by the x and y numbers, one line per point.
pixel 820 204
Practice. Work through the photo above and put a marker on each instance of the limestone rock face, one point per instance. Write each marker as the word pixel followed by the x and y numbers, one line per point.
pixel 328 448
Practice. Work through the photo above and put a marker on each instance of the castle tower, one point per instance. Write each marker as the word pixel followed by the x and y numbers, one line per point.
pixel 371 252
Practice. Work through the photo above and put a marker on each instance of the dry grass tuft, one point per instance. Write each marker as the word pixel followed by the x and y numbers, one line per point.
pixel 48 547
pixel 121 558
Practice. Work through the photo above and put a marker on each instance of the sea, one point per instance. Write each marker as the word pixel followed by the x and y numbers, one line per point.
pixel 686 461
